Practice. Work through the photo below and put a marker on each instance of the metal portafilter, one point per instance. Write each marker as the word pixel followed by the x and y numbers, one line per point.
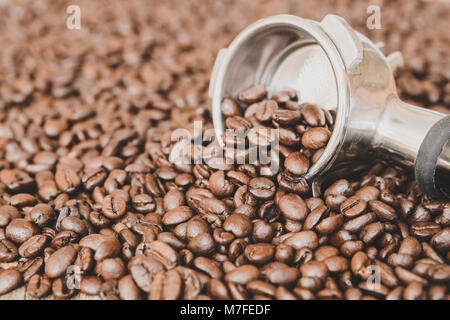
pixel 329 64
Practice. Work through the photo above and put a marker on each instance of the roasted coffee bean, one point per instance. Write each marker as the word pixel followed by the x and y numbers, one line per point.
pixel 283 276
pixel 238 124
pixel 360 265
pixel 253 94
pixel 243 274
pixel 74 224
pixel 108 247
pixel 15 180
pixel 292 183
pixel 84 260
pixel 219 185
pixel 8 213
pixel 437 292
pixel 259 253
pixel 325 252
pixel 368 193
pixel 22 200
pixel 313 115
pixel 143 203
pixel 178 215
pixel 202 244
pixel 9 280
pixel 42 214
pixel 20 230
pixel 67 211
pixel 293 207
pixel 265 110
pixel 377 290
pixel 353 207
pixel 386 273
pixel 339 187
pixel 296 163
pixel 316 138
pixel 208 266
pixel 330 224
pixel 286 117
pixel 217 290
pixel 303 239
pixel 59 261
pixel 441 240
pixel 238 224
pixel 262 231
pixel 315 216
pixel 230 108
pixel 143 270
pixel 93 177
pixel 191 280
pixel 172 199
pixel 439 273
pixel 424 230
pixel 285 96
pixel 421 214
pixel 268 211
pixel 314 269
pixel 261 287
pixel 166 286
pixel 90 285
pixel 336 264
pixel 371 231
pixel 382 210
pixel 60 289
pixel 109 290
pixel 348 248
pixel 358 223
pixel 196 226
pixel 67 179
pixel 402 260
pixel 262 188
pixel 410 246
pixel 33 246
pixel 38 286
pixel 128 290
pixel 112 268
pixel 8 251
pixel 113 207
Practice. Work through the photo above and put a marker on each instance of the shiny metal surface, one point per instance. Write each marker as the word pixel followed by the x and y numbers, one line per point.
pixel 402 128
pixel 443 170
pixel 307 71
pixel 330 65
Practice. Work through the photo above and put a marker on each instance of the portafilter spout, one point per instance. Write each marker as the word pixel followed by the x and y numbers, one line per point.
pixel 329 64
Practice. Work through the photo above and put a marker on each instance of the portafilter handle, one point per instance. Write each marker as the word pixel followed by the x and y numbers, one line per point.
pixel 418 137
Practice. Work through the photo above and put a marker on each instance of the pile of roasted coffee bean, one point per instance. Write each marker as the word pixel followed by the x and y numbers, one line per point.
pixel 299 131
pixel 94 200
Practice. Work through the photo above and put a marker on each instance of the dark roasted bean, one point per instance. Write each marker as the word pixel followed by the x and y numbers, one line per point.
pixel 9 280
pixel 253 94
pixel 39 286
